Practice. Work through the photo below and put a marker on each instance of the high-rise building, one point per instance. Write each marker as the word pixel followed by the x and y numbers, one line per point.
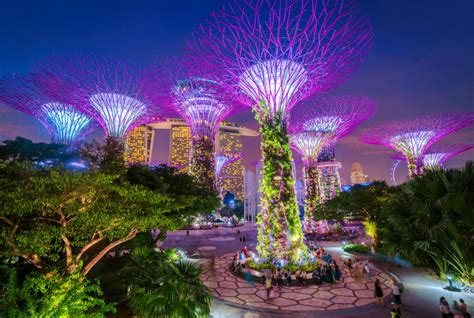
pixel 357 174
pixel 228 143
pixel 138 145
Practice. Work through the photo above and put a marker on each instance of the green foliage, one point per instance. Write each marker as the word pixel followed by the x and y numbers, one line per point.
pixel 308 267
pixel 202 166
pixel 51 295
pixel 22 149
pixel 55 219
pixel 356 248
pixel 161 285
pixel 430 220
pixel 108 157
pixel 279 207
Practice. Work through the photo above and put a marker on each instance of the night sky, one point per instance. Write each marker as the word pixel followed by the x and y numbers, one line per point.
pixel 422 60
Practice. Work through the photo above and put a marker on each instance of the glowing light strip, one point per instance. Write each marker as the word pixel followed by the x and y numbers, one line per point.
pixel 118 112
pixel 68 122
pixel 273 82
pixel 413 143
pixel 323 124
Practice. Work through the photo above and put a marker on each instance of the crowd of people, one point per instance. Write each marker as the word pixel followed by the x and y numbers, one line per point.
pixel 458 310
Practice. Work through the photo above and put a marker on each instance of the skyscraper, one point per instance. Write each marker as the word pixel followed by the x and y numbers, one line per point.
pixel 228 143
pixel 138 145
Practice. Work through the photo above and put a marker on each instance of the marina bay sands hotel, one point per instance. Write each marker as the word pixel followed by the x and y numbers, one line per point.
pixel 140 149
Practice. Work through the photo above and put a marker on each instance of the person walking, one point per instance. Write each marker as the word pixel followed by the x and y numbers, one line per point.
pixel 444 308
pixel 396 312
pixel 378 292
pixel 457 311
pixel 397 292
pixel 268 285
pixel 463 307
pixel 279 280
pixel 366 271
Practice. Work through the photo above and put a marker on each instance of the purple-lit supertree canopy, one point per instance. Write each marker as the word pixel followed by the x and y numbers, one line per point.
pixel 64 122
pixel 110 90
pixel 413 137
pixel 435 157
pixel 274 54
pixel 308 144
pixel 337 116
pixel 202 103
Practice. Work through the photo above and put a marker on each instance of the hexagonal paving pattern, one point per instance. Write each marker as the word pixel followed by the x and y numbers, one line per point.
pixel 346 294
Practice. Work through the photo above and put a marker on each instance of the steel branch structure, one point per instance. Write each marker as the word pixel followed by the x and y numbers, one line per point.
pixel 337 116
pixel 64 122
pixel 273 54
pixel 109 90
pixel 435 157
pixel 202 103
pixel 413 137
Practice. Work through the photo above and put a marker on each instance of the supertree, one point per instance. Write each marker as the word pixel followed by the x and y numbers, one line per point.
pixel 109 90
pixel 435 157
pixel 308 144
pixel 64 122
pixel 202 103
pixel 274 54
pixel 337 116
pixel 413 137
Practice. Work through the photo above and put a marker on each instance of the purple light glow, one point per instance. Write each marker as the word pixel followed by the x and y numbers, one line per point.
pixel 413 137
pixel 309 143
pixel 435 157
pixel 109 90
pixel 64 122
pixel 277 53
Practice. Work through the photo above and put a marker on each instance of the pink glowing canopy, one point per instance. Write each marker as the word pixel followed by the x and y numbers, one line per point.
pixel 109 90
pixel 276 53
pixel 413 137
pixel 65 123
pixel 335 115
pixel 309 143
pixel 202 102
pixel 437 156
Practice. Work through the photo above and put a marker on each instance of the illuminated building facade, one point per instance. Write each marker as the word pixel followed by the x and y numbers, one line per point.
pixel 138 145
pixel 228 143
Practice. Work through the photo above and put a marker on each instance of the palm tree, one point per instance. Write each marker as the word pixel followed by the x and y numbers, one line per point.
pixel 161 285
pixel 430 220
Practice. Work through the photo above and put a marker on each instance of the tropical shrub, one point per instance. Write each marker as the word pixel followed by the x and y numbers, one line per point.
pixel 356 248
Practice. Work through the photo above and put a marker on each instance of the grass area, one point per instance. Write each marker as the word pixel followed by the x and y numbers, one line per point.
pixel 356 248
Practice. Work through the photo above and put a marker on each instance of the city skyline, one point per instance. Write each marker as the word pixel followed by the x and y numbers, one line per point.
pixel 405 72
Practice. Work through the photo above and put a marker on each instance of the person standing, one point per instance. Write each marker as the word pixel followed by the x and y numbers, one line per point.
pixel 396 312
pixel 397 292
pixel 444 308
pixel 378 292
pixel 279 279
pixel 268 285
pixel 366 271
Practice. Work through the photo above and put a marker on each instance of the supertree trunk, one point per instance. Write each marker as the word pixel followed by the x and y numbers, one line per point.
pixel 280 233
pixel 330 182
pixel 412 166
pixel 312 192
pixel 202 160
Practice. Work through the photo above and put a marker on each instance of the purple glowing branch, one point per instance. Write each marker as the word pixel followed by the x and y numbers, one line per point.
pixel 109 90
pixel 336 115
pixel 437 156
pixel 63 121
pixel 413 137
pixel 276 53
pixel 309 143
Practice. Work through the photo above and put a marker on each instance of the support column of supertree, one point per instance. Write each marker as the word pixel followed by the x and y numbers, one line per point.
pixel 308 144
pixel 202 103
pixel 109 90
pixel 435 157
pixel 413 137
pixel 274 54
pixel 337 116
pixel 64 122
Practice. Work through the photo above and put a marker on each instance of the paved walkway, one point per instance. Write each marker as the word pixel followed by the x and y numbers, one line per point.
pixel 420 297
pixel 342 295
